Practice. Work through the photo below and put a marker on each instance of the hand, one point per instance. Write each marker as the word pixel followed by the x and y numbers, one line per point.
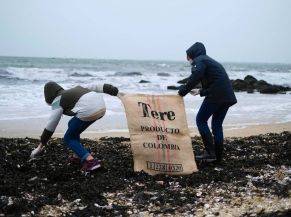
pixel 37 151
pixel 195 92
pixel 120 94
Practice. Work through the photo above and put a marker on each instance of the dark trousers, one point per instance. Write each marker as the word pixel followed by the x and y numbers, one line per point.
pixel 218 112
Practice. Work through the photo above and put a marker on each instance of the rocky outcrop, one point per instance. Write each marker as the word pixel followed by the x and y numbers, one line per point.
pixel 249 84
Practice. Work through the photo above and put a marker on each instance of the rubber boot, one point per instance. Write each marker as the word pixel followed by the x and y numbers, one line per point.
pixel 219 151
pixel 209 153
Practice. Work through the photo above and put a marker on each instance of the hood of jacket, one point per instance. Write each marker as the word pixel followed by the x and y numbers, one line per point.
pixel 51 91
pixel 196 50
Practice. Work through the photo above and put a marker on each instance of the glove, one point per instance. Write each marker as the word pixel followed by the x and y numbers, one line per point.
pixel 37 151
pixel 195 92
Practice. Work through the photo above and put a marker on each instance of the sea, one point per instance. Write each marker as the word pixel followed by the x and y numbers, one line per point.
pixel 22 80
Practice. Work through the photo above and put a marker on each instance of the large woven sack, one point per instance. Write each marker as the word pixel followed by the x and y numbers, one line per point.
pixel 159 134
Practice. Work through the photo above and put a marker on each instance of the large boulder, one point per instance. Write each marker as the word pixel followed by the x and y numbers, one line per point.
pixel 250 80
pixel 269 89
pixel 239 85
pixel 261 83
pixel 264 87
pixel 282 88
pixel 249 84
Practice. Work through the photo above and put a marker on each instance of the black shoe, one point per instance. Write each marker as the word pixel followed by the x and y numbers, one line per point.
pixel 209 153
pixel 206 157
pixel 219 151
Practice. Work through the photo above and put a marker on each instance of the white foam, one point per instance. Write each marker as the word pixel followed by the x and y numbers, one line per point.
pixel 26 101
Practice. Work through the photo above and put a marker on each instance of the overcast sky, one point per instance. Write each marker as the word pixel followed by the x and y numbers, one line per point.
pixel 232 30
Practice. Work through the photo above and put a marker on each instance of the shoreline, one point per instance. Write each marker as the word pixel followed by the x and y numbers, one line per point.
pixel 21 130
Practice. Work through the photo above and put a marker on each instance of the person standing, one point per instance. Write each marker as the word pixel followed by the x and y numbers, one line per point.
pixel 219 96
pixel 85 103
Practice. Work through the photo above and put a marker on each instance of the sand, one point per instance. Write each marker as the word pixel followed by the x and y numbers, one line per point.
pixel 33 129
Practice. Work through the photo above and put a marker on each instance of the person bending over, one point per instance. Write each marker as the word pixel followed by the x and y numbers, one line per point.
pixel 219 96
pixel 86 105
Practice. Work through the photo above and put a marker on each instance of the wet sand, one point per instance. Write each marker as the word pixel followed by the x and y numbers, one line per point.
pixel 33 129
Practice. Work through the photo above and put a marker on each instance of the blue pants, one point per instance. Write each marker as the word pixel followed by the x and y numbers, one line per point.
pixel 218 112
pixel 72 137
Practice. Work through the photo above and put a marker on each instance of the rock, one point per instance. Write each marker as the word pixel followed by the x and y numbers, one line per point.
pixel 143 214
pixel 260 83
pixel 164 74
pixel 144 81
pixel 269 89
pixel 249 84
pixel 32 179
pixel 59 197
pixel 250 80
pixel 173 88
pixel 160 182
pixel 239 85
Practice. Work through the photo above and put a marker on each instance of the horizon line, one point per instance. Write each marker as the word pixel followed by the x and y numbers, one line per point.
pixel 125 59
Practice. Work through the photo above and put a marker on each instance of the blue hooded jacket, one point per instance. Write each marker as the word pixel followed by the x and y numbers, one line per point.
pixel 216 86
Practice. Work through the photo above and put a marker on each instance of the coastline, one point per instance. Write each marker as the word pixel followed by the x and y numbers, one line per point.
pixel 22 129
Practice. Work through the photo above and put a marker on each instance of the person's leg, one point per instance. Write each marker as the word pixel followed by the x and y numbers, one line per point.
pixel 72 137
pixel 217 121
pixel 206 110
pixel 217 129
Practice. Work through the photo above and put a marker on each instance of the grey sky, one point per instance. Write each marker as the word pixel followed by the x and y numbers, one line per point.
pixel 232 30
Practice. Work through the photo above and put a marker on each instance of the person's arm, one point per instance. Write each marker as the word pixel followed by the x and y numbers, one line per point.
pixel 103 88
pixel 197 71
pixel 52 124
pixel 54 119
pixel 203 92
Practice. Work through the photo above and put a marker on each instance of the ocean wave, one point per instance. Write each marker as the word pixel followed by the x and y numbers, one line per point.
pixel 163 65
pixel 4 73
pixel 124 74
pixel 37 74
pixel 76 74
pixel 6 78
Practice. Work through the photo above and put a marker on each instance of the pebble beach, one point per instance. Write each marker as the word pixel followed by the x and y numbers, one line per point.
pixel 254 179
